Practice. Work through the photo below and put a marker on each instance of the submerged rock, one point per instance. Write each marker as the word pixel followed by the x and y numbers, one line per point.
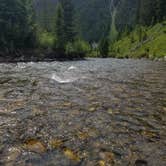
pixel 35 146
pixel 141 163
pixel 102 163
pixel 71 155
pixel 56 143
pixel 11 156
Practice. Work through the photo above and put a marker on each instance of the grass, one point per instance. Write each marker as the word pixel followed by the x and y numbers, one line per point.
pixel 147 42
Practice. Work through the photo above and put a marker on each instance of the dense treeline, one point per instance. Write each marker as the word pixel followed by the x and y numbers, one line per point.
pixel 17 28
pixel 74 27
pixel 95 16
pixel 151 12
pixel 138 12
pixel 141 29
pixel 92 16
pixel 20 30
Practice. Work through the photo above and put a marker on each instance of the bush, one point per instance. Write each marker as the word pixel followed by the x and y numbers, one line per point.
pixel 69 49
pixel 46 40
pixel 104 47
pixel 77 47
pixel 81 47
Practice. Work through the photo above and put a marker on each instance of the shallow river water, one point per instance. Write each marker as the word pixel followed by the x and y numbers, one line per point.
pixel 99 112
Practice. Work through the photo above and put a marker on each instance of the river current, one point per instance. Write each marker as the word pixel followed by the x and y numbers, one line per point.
pixel 97 112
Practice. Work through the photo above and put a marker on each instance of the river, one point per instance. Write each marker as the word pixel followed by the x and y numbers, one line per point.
pixel 83 113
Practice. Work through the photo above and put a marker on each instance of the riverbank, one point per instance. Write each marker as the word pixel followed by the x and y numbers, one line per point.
pixel 50 56
pixel 37 55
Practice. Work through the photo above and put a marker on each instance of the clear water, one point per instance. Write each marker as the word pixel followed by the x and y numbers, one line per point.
pixel 87 113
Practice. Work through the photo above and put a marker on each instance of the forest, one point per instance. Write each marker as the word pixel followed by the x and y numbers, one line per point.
pixel 82 82
pixel 75 28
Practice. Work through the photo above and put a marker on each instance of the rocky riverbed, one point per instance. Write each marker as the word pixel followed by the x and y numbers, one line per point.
pixel 98 112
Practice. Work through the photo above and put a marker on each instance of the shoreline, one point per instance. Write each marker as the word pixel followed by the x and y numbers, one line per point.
pixel 50 56
pixel 38 56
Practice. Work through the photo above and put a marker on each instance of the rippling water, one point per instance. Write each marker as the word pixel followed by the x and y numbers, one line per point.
pixel 87 113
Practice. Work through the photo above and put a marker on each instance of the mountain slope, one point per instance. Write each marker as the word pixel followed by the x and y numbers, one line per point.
pixel 142 42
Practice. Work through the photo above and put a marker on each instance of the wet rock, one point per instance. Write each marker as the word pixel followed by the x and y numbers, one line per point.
pixel 11 155
pixel 36 111
pixel 110 111
pixel 30 159
pixel 34 82
pixel 150 135
pixel 67 104
pixel 74 119
pixel 16 104
pixel 141 163
pixel 71 155
pixel 88 133
pixel 102 163
pixel 35 146
pixel 92 109
pixel 56 143
pixel 108 157
pixel 164 108
pixel 83 154
pixel 4 80
pixel 82 135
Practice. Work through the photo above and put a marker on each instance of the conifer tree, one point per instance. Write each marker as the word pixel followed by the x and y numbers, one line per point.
pixel 69 28
pixel 65 27
pixel 59 28
pixel 17 29
pixel 104 47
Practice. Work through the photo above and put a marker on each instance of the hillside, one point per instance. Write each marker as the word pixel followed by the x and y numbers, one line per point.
pixel 92 16
pixel 74 27
pixel 142 42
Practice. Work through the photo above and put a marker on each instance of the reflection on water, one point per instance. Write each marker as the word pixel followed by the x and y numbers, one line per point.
pixel 95 112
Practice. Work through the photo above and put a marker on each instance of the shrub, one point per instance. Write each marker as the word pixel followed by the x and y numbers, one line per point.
pixel 77 47
pixel 104 47
pixel 46 40
pixel 81 47
pixel 69 49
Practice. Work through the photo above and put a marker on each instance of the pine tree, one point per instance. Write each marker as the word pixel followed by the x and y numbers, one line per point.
pixel 160 10
pixel 69 28
pixel 104 47
pixel 65 27
pixel 59 28
pixel 16 24
pixel 151 12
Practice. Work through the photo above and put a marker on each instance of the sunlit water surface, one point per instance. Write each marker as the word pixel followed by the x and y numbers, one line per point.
pixel 84 113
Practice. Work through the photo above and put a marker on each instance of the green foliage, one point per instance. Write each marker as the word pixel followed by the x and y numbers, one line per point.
pixel 17 28
pixel 105 21
pixel 93 54
pixel 114 32
pixel 126 14
pixel 148 42
pixel 69 49
pixel 130 13
pixel 65 28
pixel 68 16
pixel 45 13
pixel 81 47
pixel 59 28
pixel 77 47
pixel 94 18
pixel 46 40
pixel 104 47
